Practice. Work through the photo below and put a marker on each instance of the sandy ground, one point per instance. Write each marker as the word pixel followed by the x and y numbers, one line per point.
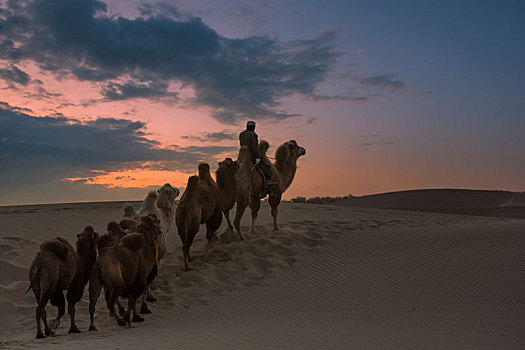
pixel 333 278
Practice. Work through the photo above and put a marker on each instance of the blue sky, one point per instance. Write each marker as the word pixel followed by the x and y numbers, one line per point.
pixel 387 95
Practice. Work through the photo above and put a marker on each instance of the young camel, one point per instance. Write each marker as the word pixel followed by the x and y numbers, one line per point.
pixel 57 267
pixel 225 176
pixel 200 204
pixel 123 269
pixel 249 182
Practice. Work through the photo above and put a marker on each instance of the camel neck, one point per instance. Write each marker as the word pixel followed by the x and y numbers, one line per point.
pixel 286 171
pixel 87 259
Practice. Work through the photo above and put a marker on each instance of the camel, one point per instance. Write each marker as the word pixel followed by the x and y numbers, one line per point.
pixel 57 267
pixel 225 176
pixel 160 203
pixel 200 204
pixel 123 268
pixel 249 182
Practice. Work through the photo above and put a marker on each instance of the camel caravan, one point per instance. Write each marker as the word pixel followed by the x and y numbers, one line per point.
pixel 125 260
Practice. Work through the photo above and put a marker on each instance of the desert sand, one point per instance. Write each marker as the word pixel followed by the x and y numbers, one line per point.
pixel 333 277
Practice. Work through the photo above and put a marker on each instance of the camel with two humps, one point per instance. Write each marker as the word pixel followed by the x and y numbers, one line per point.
pixel 124 268
pixel 200 204
pixel 58 267
pixel 249 182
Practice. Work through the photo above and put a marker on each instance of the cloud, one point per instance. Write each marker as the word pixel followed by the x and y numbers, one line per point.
pixel 386 81
pixel 373 141
pixel 56 146
pixel 234 78
pixel 130 89
pixel 13 74
pixel 212 136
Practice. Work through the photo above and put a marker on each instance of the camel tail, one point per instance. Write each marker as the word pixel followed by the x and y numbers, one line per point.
pixel 33 277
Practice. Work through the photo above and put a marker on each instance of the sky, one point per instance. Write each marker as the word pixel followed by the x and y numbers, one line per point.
pixel 106 100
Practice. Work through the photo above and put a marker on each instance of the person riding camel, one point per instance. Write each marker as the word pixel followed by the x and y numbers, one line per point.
pixel 249 139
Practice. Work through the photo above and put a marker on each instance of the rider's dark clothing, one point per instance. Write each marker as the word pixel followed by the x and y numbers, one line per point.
pixel 249 139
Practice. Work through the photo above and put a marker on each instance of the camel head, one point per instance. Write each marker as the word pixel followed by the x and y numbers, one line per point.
pixel 87 239
pixel 295 150
pixel 150 224
pixel 129 210
pixel 115 231
pixel 129 225
pixel 169 192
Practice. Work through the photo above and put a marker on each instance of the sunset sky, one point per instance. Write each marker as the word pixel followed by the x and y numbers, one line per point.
pixel 104 100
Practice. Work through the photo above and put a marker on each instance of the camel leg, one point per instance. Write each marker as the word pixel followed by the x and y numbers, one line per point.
pixel 57 299
pixel 144 306
pixel 212 225
pixel 48 282
pixel 41 315
pixel 149 296
pixel 274 201
pixel 136 316
pixel 131 306
pixel 71 311
pixel 241 207
pixel 186 249
pixel 95 288
pixel 113 295
pixel 121 309
pixel 256 204
pixel 227 216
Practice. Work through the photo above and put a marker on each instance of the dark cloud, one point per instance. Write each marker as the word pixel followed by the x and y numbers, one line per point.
pixel 58 147
pixel 13 74
pixel 212 136
pixel 130 89
pixel 386 81
pixel 236 78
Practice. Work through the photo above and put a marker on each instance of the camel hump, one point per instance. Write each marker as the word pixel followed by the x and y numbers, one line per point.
pixel 193 183
pixel 57 245
pixel 133 241
pixel 204 171
pixel 105 241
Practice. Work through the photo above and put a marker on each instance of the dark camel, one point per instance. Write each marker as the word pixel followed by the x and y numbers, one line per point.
pixel 225 176
pixel 200 204
pixel 123 269
pixel 58 267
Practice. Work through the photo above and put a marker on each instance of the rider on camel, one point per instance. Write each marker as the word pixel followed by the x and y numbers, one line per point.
pixel 249 139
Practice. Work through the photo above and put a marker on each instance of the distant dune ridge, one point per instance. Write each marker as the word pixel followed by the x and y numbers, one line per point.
pixel 452 201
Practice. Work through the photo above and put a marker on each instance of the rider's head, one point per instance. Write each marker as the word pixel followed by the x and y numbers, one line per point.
pixel 250 125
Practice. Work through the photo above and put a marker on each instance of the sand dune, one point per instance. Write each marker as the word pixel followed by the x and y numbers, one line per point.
pixel 334 277
pixel 451 201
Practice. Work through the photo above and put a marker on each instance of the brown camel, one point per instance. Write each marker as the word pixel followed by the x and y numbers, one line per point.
pixel 57 267
pixel 123 269
pixel 225 176
pixel 249 182
pixel 200 204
